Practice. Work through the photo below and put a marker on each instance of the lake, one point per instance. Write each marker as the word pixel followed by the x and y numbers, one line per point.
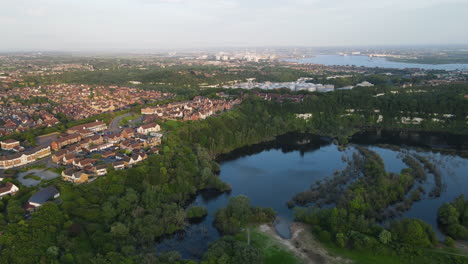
pixel 271 173
pixel 365 61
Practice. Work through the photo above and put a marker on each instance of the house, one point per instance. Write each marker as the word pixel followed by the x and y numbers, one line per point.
pixel 136 158
pixel 8 189
pixel 115 138
pixel 58 156
pixel 82 163
pixel 10 144
pixel 155 150
pixel 42 196
pixel 20 159
pixel 90 141
pixel 128 133
pixel 68 159
pixel 74 176
pixel 145 129
pixel 120 156
pixel 63 141
pixel 154 140
pixel 94 127
pixel 100 170
pixel 119 165
pixel 100 147
pixel 75 148
pixel 148 111
pixel 108 154
pixel 126 160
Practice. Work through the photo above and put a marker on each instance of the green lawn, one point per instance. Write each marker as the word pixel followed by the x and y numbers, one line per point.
pixel 273 252
pixel 124 121
pixel 171 125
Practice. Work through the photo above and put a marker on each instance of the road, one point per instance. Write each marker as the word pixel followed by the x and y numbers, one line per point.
pixel 114 124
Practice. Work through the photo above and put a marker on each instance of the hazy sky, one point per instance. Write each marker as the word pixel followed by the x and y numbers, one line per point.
pixel 155 24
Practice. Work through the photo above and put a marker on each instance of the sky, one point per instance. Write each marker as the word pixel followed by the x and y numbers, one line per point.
pixel 125 25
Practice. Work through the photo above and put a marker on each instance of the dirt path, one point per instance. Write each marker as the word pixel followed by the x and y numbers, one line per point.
pixel 303 245
pixel 462 245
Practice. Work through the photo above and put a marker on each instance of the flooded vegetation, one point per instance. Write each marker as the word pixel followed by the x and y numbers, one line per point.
pixel 310 170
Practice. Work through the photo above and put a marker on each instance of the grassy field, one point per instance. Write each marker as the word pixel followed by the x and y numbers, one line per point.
pixel 273 252
pixel 124 121
pixel 427 256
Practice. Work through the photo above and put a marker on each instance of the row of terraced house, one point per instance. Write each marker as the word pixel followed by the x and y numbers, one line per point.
pixel 23 158
pixel 198 108
pixel 77 150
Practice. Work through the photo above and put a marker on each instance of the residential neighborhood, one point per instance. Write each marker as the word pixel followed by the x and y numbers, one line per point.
pixel 24 108
pixel 198 108
pixel 84 152
pixel 88 151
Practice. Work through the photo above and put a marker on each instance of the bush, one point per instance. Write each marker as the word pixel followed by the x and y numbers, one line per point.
pixel 32 176
pixel 325 236
pixel 361 241
pixel 341 240
pixel 196 212
pixel 449 242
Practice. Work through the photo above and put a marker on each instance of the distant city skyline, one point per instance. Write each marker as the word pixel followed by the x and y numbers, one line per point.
pixel 139 25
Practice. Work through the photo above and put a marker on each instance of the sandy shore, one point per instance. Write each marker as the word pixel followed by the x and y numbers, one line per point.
pixel 303 245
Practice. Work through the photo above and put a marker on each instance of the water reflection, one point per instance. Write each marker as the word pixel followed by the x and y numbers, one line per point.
pixel 271 173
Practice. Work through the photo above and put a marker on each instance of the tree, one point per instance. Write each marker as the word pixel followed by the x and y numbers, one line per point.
pixel 228 250
pixel 119 230
pixel 385 237
pixel 239 208
pixel 414 232
pixel 447 215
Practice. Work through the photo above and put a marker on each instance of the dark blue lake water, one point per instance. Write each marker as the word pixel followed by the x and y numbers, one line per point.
pixel 365 61
pixel 271 173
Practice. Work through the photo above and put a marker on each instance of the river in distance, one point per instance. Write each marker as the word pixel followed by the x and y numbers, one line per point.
pixel 366 61
pixel 271 173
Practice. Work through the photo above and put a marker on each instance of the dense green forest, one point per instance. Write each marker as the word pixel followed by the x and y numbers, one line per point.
pixel 119 217
pixel 173 78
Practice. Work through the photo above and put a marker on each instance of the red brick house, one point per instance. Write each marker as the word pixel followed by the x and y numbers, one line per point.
pixel 63 141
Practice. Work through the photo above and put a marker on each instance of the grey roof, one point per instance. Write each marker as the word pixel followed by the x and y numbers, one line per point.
pixel 43 195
